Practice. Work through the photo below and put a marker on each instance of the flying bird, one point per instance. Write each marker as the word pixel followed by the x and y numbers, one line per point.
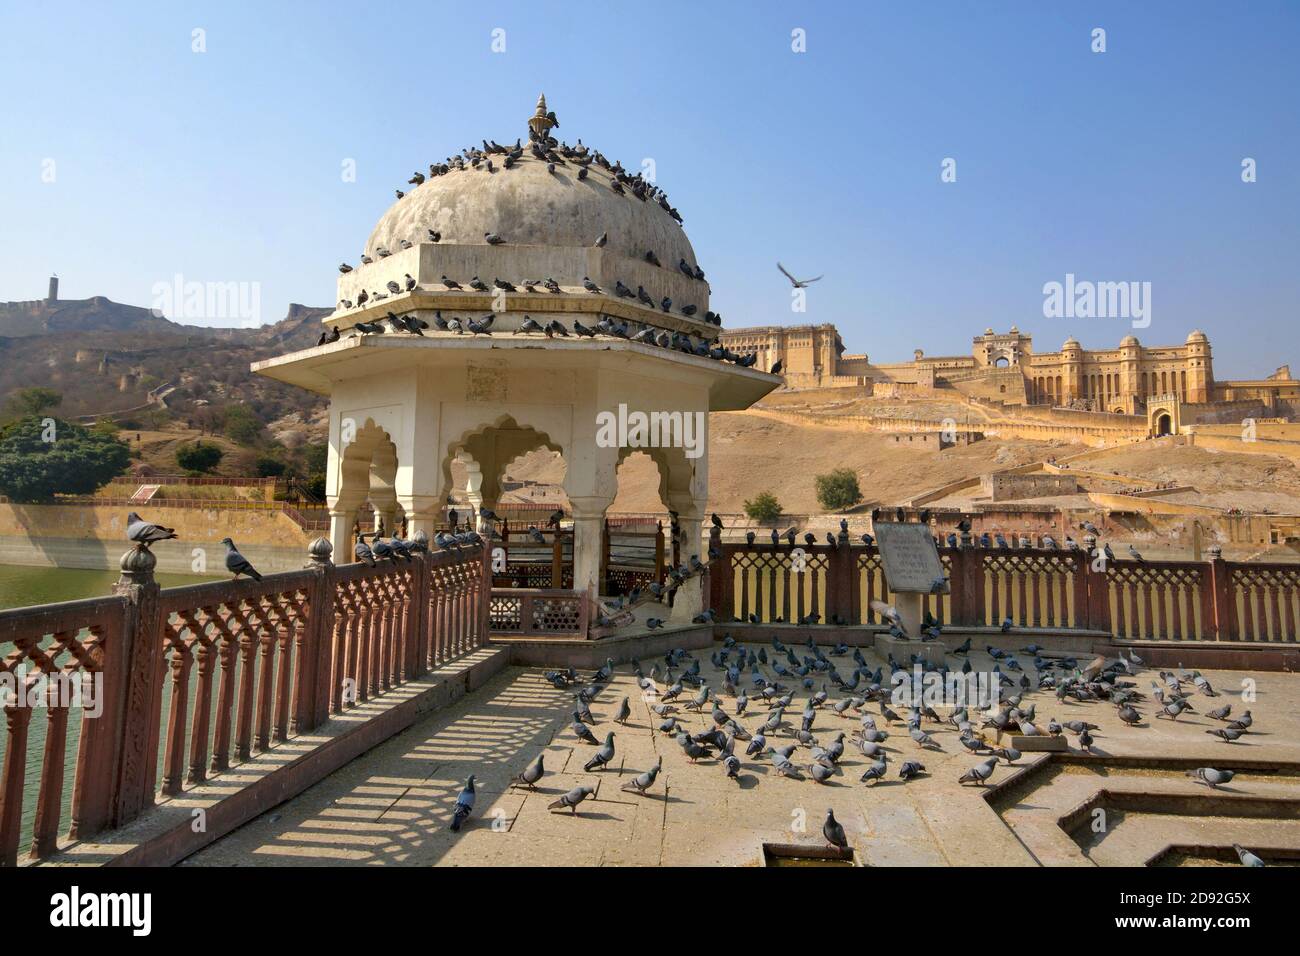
pixel 796 283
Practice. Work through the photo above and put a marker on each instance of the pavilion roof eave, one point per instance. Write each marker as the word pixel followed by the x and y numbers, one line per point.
pixel 731 387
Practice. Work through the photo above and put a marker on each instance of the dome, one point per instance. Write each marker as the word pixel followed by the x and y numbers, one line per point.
pixel 1129 340
pixel 1196 336
pixel 529 206
pixel 544 221
pixel 1070 343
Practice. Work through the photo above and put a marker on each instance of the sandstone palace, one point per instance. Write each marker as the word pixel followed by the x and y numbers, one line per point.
pixel 1168 382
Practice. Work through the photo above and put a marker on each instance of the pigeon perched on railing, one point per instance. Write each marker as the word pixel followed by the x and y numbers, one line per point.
pixel 236 563
pixel 363 552
pixel 145 533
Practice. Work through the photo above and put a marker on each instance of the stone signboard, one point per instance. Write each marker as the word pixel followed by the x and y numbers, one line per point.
pixel 911 560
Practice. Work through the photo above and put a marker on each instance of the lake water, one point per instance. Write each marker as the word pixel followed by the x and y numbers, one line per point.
pixel 22 586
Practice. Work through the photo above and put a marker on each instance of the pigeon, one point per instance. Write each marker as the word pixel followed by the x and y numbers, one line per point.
pixel 979 773
pixel 532 773
pixel 601 240
pixel 1246 857
pixel 1210 777
pixel 572 799
pixel 464 805
pixel 624 712
pixel 582 730
pixel 492 239
pixel 833 832
pixel 603 755
pixel 910 769
pixel 1226 734
pixel 236 563
pixel 796 283
pixel 644 781
pixel 143 533
pixel 363 552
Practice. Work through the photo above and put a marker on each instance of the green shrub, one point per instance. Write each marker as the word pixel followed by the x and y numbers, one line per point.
pixel 268 466
pixel 764 507
pixel 199 457
pixel 838 489
pixel 241 425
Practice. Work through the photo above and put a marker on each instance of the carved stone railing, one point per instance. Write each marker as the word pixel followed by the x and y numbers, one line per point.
pixel 192 681
pixel 1212 600
pixel 538 612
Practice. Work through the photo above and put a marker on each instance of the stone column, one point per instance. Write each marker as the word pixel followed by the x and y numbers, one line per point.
pixel 588 531
pixel 423 513
pixel 341 521
pixel 689 598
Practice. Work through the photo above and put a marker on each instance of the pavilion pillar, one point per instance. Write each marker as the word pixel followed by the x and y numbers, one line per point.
pixel 341 521
pixel 588 534
pixel 423 513
pixel 689 599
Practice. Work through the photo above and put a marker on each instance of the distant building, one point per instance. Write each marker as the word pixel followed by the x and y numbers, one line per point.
pixel 1003 366
pixel 53 295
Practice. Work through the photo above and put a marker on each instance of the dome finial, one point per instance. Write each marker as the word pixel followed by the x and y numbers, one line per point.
pixel 541 121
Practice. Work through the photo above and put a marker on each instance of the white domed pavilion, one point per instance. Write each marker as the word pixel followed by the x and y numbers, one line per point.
pixel 492 247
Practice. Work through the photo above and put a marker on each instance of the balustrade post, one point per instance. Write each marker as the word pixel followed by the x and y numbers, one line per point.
pixel 482 613
pixel 557 559
pixel 1082 613
pixel 719 574
pixel 1098 589
pixel 311 699
pixel 136 767
pixel 1218 604
pixel 418 615
pixel 839 582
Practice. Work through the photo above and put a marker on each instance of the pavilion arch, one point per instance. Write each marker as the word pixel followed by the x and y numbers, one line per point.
pixel 487 450
pixel 367 472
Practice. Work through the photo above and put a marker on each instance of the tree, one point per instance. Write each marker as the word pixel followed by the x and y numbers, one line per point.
pixel 315 457
pixel 838 489
pixel 31 401
pixel 201 456
pixel 268 466
pixel 764 507
pixel 42 457
pixel 241 425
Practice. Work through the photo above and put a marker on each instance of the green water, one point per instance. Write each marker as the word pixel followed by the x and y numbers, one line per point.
pixel 23 586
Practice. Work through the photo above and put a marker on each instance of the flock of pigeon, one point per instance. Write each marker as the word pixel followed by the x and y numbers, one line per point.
pixel 390 549
pixel 605 326
pixel 762 684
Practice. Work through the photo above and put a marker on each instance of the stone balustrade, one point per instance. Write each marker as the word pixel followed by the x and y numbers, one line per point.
pixel 191 681
pixel 1174 601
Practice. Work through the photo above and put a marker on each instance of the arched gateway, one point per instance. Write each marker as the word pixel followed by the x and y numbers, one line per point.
pixel 537 236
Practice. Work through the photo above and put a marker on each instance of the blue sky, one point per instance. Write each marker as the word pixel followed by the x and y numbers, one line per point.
pixel 1117 166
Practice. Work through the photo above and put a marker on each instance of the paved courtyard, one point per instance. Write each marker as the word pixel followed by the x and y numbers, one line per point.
pixel 393 805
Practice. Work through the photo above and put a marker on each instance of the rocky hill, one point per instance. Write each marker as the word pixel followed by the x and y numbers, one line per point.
pixel 107 358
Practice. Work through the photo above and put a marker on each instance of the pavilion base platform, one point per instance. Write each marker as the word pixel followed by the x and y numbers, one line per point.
pixel 645 645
